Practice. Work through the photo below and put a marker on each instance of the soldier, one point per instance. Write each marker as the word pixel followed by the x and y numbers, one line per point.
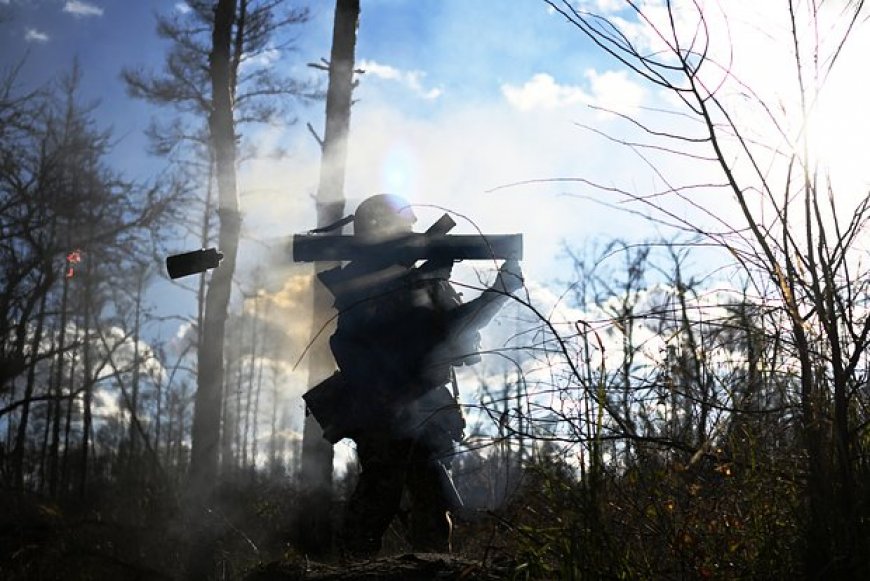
pixel 400 331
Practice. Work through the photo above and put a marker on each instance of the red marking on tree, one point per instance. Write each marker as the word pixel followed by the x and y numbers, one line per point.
pixel 73 257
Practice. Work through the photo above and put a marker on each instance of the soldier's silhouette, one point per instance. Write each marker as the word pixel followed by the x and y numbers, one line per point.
pixel 400 331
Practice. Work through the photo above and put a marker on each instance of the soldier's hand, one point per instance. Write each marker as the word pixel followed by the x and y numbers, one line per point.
pixel 510 277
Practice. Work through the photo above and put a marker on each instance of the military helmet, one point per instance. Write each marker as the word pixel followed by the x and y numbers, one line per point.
pixel 383 214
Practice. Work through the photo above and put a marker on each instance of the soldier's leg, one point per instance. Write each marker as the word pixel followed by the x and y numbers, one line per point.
pixel 376 498
pixel 432 497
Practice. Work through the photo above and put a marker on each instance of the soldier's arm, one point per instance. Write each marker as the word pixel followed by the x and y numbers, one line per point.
pixel 477 313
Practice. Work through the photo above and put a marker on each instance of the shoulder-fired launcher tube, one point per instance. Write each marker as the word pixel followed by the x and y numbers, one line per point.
pixel 410 247
pixel 434 244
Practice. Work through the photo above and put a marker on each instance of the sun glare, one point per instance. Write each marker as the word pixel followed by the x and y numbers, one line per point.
pixel 399 171
pixel 834 134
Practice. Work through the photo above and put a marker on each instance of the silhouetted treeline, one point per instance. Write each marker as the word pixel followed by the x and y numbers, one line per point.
pixel 76 239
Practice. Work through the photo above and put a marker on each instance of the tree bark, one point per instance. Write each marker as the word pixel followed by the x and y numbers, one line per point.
pixel 207 410
pixel 64 473
pixel 228 429
pixel 205 437
pixel 238 427
pixel 133 457
pixel 49 410
pixel 54 465
pixel 21 440
pixel 254 427
pixel 249 398
pixel 88 379
pixel 273 441
pixel 317 453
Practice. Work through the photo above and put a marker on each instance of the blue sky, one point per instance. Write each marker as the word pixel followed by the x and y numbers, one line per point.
pixel 434 66
pixel 467 50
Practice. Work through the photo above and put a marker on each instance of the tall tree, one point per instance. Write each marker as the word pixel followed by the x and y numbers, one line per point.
pixel 211 75
pixel 204 77
pixel 222 136
pixel 317 454
pixel 205 437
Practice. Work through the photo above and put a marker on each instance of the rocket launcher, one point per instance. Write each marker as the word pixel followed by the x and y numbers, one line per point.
pixel 435 246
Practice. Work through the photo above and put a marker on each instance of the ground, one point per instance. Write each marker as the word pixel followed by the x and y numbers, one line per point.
pixel 407 567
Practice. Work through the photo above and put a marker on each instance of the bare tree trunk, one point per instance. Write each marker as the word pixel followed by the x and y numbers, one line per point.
pixel 228 428
pixel 317 453
pixel 49 410
pixel 256 413
pixel 250 391
pixel 273 437
pixel 132 457
pixel 88 380
pixel 21 440
pixel 181 461
pixel 53 472
pixel 205 239
pixel 247 424
pixel 207 409
pixel 157 413
pixel 238 428
pixel 205 436
pixel 170 419
pixel 10 425
pixel 259 383
pixel 64 473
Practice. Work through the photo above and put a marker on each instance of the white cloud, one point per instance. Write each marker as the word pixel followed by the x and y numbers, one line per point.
pixel 105 404
pixel 613 90
pixel 183 7
pixel 610 5
pixel 33 35
pixel 266 58
pixel 542 92
pixel 412 80
pixel 184 340
pixel 79 8
pixel 603 7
